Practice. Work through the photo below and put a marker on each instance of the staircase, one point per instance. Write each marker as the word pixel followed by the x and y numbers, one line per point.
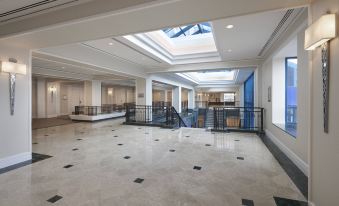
pixel 209 119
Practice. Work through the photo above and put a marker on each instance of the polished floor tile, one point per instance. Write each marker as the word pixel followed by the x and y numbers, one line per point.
pixel 103 177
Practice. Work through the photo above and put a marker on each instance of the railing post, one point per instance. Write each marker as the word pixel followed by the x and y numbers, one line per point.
pixel 262 119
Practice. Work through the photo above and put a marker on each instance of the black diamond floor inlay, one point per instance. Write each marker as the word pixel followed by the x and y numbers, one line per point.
pixel 246 202
pixel 172 150
pixel 115 135
pixel 157 140
pixel 68 166
pixel 79 139
pixel 187 136
pixel 197 168
pixel 237 140
pixel 46 135
pixel 113 130
pixel 54 199
pixel 127 157
pixel 138 180
pixel 279 201
pixel 207 145
pixel 34 143
pixel 120 144
pixel 75 149
pixel 240 158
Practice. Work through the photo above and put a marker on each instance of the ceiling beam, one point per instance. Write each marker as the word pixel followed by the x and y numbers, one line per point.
pixel 211 66
pixel 135 19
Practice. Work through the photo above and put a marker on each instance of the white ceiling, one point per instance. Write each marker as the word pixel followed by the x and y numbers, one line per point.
pixel 124 52
pixel 45 65
pixel 12 10
pixel 248 36
pixel 100 60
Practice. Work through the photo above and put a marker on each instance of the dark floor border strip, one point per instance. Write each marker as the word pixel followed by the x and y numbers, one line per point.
pixel 296 175
pixel 35 158
pixel 99 120
pixel 148 124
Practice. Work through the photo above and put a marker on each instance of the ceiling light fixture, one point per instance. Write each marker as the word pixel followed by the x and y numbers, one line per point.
pixel 230 26
pixel 230 50
pixel 111 43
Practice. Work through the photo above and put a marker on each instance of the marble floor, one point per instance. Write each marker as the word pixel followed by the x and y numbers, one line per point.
pixel 106 163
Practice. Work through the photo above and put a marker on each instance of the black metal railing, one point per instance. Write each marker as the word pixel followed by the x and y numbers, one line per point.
pixel 154 115
pixel 238 119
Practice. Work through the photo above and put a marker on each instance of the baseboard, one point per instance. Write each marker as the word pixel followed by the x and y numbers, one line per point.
pixel 311 203
pixel 303 166
pixel 15 159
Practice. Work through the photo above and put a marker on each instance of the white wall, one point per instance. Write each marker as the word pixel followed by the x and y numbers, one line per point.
pixel 295 148
pixel 15 135
pixel 120 94
pixel 325 147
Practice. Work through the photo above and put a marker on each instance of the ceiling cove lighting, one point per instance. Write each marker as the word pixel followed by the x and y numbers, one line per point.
pixel 12 68
pixel 319 34
pixel 230 26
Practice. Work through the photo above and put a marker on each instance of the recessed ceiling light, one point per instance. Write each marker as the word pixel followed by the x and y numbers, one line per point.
pixel 230 50
pixel 230 26
pixel 63 67
pixel 111 43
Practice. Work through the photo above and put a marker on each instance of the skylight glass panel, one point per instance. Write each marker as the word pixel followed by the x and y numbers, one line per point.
pixel 188 30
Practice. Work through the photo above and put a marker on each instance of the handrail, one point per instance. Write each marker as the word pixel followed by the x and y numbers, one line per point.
pixel 181 121
pixel 154 115
pixel 239 118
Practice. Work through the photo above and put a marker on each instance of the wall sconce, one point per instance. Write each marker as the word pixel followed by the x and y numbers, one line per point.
pixel 110 91
pixel 52 89
pixel 319 34
pixel 12 68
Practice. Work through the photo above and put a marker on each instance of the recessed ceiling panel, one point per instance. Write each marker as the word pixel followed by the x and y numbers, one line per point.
pixel 247 36
pixel 123 52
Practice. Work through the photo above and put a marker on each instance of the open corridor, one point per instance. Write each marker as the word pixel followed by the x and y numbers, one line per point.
pixel 100 163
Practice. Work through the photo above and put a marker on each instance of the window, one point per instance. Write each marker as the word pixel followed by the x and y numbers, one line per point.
pixel 229 97
pixel 188 30
pixel 291 65
pixel 249 102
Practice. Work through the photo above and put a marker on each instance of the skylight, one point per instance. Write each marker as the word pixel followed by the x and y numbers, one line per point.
pixel 188 30
pixel 211 77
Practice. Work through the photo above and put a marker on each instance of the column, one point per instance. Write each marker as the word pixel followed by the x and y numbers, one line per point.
pixel 143 93
pixel 191 99
pixel 166 96
pixel 176 98
pixel 92 93
pixel 41 98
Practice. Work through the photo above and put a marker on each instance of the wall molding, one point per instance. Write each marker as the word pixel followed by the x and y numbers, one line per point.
pixel 15 159
pixel 303 166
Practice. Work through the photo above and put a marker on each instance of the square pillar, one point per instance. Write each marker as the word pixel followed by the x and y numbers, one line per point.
pixel 176 98
pixel 92 90
pixel 41 98
pixel 191 99
pixel 143 91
